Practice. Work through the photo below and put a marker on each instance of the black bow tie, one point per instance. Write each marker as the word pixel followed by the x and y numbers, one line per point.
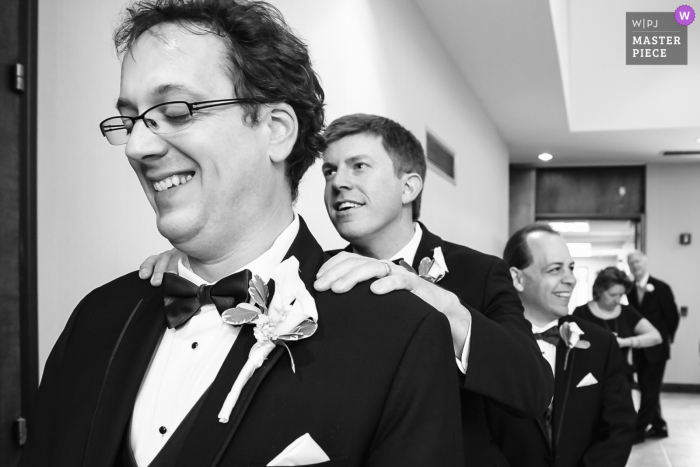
pixel 551 335
pixel 183 299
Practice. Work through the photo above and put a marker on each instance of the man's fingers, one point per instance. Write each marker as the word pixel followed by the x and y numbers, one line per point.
pixel 337 259
pixel 369 270
pixel 167 262
pixel 156 265
pixel 170 265
pixel 338 271
pixel 146 268
pixel 389 284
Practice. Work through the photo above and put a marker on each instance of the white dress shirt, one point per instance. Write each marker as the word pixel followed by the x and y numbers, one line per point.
pixel 408 253
pixel 549 351
pixel 188 359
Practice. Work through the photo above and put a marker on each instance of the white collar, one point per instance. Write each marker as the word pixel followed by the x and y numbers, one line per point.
pixel 541 329
pixel 643 281
pixel 408 252
pixel 263 265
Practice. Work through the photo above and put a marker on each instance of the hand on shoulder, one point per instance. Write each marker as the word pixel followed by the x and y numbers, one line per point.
pixel 154 266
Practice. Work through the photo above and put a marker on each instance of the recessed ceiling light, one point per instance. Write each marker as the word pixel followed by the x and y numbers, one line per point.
pixel 698 140
pixel 545 156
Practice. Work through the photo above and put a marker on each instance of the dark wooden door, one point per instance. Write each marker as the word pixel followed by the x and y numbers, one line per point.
pixel 19 372
pixel 590 192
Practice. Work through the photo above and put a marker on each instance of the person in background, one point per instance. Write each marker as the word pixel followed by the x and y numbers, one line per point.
pixel 629 326
pixel 590 422
pixel 654 299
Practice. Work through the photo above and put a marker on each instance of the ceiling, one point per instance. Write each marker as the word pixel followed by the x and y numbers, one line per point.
pixel 554 79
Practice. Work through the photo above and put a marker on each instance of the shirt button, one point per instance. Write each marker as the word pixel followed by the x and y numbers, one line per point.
pixel 194 345
pixel 162 430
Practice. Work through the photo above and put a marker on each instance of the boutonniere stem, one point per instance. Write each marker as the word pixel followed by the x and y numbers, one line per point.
pixel 290 316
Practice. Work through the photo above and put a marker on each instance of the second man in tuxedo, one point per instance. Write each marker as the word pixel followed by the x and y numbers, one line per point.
pixel 590 422
pixel 374 170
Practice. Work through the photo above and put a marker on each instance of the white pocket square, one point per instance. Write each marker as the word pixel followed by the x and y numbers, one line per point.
pixel 303 451
pixel 587 380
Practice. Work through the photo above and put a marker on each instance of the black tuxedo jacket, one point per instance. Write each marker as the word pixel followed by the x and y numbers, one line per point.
pixel 659 307
pixel 505 364
pixel 375 385
pixel 592 425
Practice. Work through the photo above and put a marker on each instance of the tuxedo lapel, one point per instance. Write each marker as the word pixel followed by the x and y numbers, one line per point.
pixel 562 388
pixel 426 247
pixel 543 429
pixel 310 255
pixel 209 438
pixel 128 364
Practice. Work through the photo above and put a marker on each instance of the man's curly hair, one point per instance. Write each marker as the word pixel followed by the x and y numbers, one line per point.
pixel 266 61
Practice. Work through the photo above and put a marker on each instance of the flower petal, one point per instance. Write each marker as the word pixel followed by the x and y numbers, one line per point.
pixel 424 266
pixel 440 259
pixel 244 313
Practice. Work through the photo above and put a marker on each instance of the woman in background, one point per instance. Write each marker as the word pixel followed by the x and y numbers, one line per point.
pixel 630 327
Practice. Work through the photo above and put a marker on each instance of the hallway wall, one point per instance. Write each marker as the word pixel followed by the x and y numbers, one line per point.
pixel 673 202
pixel 377 56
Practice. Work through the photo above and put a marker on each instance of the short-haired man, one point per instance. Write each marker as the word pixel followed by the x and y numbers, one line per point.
pixel 654 299
pixel 591 419
pixel 220 113
pixel 374 170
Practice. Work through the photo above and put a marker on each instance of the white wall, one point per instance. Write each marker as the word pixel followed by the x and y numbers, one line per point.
pixel 377 56
pixel 673 200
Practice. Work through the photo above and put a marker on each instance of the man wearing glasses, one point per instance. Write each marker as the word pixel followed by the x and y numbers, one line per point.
pixel 220 114
pixel 374 170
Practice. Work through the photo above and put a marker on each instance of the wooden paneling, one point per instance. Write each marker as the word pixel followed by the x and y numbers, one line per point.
pixel 590 192
pixel 521 198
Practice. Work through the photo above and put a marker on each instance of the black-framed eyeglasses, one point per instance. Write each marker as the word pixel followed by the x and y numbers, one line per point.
pixel 168 117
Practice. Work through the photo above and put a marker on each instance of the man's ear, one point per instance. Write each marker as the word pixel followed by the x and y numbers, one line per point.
pixel 412 186
pixel 284 128
pixel 517 276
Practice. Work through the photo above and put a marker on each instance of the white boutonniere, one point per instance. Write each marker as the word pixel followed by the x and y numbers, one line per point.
pixel 290 316
pixel 649 287
pixel 433 270
pixel 571 334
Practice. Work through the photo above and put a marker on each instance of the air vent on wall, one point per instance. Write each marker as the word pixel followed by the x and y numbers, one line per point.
pixel 442 158
pixel 681 153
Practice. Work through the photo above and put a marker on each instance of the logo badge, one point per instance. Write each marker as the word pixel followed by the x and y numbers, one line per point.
pixel 685 15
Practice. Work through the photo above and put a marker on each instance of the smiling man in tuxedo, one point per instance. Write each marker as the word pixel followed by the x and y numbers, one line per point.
pixel 374 170
pixel 590 422
pixel 221 113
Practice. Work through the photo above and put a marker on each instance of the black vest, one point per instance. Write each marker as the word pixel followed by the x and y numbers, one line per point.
pixel 167 456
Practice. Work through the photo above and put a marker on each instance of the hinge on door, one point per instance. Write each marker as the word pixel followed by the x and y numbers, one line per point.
pixel 20 80
pixel 21 431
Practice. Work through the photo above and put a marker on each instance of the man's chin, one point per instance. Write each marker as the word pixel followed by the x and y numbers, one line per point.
pixel 177 231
